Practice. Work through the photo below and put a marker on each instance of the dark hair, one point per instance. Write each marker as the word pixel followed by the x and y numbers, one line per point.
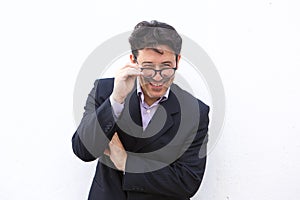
pixel 154 33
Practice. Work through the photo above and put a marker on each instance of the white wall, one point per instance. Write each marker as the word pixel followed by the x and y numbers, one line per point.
pixel 254 44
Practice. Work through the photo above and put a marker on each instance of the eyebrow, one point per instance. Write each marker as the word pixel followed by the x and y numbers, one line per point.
pixel 165 62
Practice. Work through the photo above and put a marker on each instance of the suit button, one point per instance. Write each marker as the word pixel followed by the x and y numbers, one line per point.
pixel 109 124
pixel 107 127
pixel 135 188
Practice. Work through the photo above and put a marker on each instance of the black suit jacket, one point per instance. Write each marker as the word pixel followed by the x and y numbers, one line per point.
pixel 166 161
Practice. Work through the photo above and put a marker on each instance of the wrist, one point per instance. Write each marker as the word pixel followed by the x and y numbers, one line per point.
pixel 117 98
pixel 124 164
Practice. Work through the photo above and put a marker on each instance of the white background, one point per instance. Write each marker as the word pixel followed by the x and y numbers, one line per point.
pixel 254 44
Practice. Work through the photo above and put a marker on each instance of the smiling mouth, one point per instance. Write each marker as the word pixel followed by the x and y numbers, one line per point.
pixel 156 84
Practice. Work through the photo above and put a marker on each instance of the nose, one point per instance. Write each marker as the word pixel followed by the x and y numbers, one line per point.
pixel 157 77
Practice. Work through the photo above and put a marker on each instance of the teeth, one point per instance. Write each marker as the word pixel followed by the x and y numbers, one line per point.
pixel 156 84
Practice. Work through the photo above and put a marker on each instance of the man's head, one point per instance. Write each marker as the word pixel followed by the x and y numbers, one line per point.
pixel 154 33
pixel 155 45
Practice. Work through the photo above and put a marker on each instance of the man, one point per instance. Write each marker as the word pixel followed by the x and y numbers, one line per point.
pixel 149 135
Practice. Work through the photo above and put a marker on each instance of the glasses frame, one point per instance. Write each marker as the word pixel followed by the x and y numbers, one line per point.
pixel 157 70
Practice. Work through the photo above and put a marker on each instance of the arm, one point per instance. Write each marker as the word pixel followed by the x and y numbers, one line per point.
pixel 97 125
pixel 182 178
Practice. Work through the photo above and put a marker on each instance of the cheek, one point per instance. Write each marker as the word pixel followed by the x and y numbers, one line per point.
pixel 168 83
pixel 142 82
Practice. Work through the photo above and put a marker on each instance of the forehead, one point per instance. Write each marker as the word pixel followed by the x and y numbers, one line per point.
pixel 157 53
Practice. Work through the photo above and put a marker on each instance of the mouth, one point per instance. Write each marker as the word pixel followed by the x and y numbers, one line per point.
pixel 157 85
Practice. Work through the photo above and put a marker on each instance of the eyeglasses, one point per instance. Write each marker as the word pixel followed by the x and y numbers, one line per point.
pixel 149 70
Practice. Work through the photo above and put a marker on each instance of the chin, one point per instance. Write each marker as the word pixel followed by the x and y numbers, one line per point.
pixel 156 94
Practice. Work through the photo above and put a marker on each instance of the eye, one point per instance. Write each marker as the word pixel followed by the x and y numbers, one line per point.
pixel 166 65
pixel 148 66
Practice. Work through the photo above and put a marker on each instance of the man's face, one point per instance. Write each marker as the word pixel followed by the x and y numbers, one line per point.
pixel 155 87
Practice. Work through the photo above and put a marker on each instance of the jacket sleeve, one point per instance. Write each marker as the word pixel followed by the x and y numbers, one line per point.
pixel 97 125
pixel 183 177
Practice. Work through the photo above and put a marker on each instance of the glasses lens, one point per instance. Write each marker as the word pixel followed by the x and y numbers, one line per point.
pixel 148 72
pixel 167 73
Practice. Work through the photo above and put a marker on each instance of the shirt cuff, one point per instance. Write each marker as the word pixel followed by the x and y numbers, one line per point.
pixel 117 107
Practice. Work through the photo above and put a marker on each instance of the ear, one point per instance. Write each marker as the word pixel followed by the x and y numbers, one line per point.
pixel 178 59
pixel 132 59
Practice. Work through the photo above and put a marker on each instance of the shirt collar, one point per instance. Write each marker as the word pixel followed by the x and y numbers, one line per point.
pixel 141 94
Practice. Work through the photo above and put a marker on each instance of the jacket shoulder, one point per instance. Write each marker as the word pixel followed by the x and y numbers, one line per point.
pixel 188 97
pixel 104 87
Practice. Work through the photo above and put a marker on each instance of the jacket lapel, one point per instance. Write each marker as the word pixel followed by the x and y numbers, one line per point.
pixel 130 120
pixel 161 121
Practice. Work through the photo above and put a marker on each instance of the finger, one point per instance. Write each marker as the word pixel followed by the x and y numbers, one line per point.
pixel 130 65
pixel 131 72
pixel 114 136
pixel 107 152
pixel 114 139
pixel 128 73
pixel 117 142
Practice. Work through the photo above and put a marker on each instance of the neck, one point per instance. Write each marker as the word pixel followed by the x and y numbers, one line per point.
pixel 149 101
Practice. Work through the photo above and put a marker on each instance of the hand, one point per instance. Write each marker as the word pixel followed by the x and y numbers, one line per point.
pixel 116 152
pixel 124 81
